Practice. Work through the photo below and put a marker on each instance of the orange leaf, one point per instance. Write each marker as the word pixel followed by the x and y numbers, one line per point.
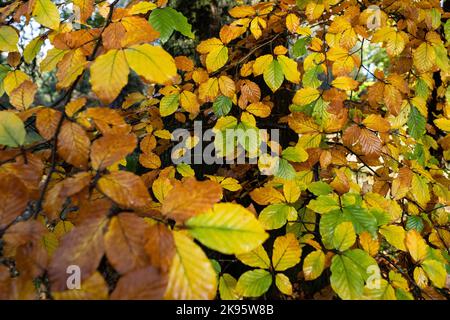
pixel 189 198
pixel 124 242
pixel 82 247
pixel 74 144
pixel 143 284
pixel 125 188
pixel 110 149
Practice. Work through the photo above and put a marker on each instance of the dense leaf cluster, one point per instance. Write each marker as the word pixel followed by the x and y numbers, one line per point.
pixel 350 201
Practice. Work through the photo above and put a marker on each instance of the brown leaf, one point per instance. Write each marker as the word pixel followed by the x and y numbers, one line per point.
pixel 110 149
pixel 125 188
pixel 160 246
pixel 47 121
pixel 370 143
pixel 29 173
pixel 13 198
pixel 93 288
pixel 146 283
pixel 58 194
pixel 23 96
pixel 189 198
pixel 74 144
pixel 124 242
pixel 82 246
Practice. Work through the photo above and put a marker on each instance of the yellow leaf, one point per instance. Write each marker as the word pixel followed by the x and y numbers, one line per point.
pixel 191 275
pixel 283 284
pixel 152 62
pixel 377 123
pixel 443 124
pixel 227 86
pixel 261 64
pixel 345 83
pixel 424 57
pixel 13 80
pixel 257 258
pixel 70 67
pixel 289 68
pixel 208 90
pixel 256 25
pixel 209 45
pixel 259 109
pixel 46 13
pixel 228 228
pixel 344 236
pixel 189 102
pixel 286 252
pixel 420 190
pixel 420 277
pixel 416 245
pixel 227 287
pixel 305 96
pixel 314 10
pixel 368 243
pixel 109 74
pixel 313 265
pixel 85 7
pixel 242 11
pixel 292 22
pixel 52 58
pixel 216 58
pixel 291 191
pixel 395 235
pixel 8 39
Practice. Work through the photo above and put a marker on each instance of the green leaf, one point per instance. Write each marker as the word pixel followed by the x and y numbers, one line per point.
pixel 273 75
pixel 32 49
pixel 222 106
pixel 344 236
pixel 349 271
pixel 436 272
pixel 327 225
pixel 254 283
pixel 363 219
pixel 285 170
pixel 299 48
pixel 167 20
pixel 228 228
pixel 295 154
pixel 4 70
pixel 169 104
pixel 311 77
pixel 447 30
pixel 275 216
pixel 324 204
pixel 416 123
pixel 414 222
pixel 12 130
pixel 320 188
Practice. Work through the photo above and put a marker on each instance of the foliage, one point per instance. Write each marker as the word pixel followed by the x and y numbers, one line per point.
pixel 357 209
